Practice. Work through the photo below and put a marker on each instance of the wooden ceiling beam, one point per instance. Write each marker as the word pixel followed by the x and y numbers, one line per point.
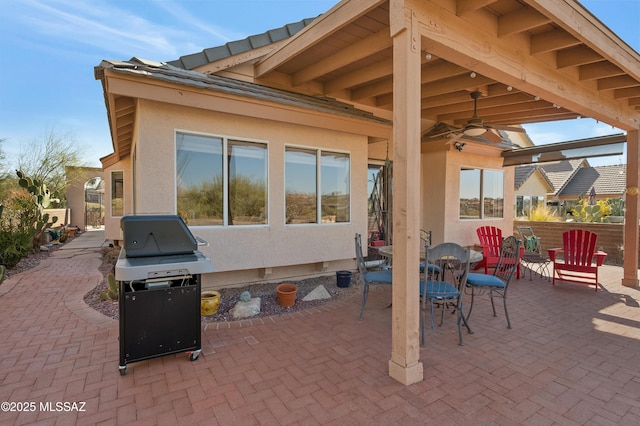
pixel 441 70
pixel 496 111
pixel 465 6
pixel 126 120
pixel 619 82
pixel 467 105
pixel 124 129
pixel 373 89
pixel 454 84
pixel 124 105
pixel 363 48
pixel 575 56
pixel 322 28
pixel 362 75
pixel 540 119
pixel 501 58
pixel 545 114
pixel 598 70
pixel 520 21
pixel 577 20
pixel 629 92
pixel 634 101
pixel 444 99
pixel 551 41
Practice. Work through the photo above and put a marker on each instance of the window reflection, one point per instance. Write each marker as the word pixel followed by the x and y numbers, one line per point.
pixel 481 194
pixel 205 196
pixel 199 183
pixel 300 186
pixel 335 187
pixel 493 193
pixel 309 172
pixel 117 194
pixel 247 162
pixel 469 194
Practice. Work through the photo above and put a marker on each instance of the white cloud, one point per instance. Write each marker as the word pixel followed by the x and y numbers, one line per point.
pixel 115 30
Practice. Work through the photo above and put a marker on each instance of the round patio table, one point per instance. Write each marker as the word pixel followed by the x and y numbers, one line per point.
pixel 475 256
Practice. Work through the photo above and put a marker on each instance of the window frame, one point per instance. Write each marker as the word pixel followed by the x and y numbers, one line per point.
pixel 112 190
pixel 318 156
pixel 481 184
pixel 225 176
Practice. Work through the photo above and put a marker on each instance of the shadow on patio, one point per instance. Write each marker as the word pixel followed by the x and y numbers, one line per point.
pixel 571 358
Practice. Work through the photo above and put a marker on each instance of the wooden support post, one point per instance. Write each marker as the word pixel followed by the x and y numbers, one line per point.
pixel 631 218
pixel 405 365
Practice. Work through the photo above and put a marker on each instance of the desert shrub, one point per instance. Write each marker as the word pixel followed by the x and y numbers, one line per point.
pixel 15 230
pixel 543 214
pixel 14 245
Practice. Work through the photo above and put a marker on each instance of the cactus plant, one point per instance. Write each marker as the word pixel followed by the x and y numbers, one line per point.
pixel 42 198
pixel 112 292
pixel 3 273
pixel 617 206
pixel 589 213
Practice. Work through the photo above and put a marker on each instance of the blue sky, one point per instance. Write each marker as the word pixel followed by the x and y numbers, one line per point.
pixel 48 49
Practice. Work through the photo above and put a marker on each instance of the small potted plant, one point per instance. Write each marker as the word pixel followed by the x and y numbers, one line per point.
pixel 616 207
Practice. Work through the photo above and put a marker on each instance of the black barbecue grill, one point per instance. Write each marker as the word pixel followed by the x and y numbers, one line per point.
pixel 159 276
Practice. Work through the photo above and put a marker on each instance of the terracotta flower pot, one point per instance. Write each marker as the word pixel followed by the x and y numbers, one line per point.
pixel 209 303
pixel 286 294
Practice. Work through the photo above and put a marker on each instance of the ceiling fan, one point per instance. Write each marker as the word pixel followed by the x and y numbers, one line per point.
pixel 476 126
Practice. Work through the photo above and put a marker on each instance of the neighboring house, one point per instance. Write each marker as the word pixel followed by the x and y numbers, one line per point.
pixel 606 182
pixel 562 183
pixel 560 173
pixel 531 188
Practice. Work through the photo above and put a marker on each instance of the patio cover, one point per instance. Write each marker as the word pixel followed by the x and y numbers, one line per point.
pixel 583 148
pixel 416 61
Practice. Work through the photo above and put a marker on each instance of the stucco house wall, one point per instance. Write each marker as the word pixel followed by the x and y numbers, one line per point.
pixel 440 180
pixel 252 253
pixel 75 193
pixel 534 186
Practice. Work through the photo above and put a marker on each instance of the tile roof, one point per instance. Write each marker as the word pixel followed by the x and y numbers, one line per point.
pixel 521 174
pixel 605 180
pixel 169 73
pixel 560 172
pixel 232 48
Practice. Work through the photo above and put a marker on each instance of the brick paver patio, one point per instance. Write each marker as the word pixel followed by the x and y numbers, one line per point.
pixel 572 358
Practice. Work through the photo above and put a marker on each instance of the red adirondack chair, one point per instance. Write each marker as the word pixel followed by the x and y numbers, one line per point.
pixel 577 265
pixel 491 242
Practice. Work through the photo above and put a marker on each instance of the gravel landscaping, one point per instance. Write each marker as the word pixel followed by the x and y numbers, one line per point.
pixel 230 296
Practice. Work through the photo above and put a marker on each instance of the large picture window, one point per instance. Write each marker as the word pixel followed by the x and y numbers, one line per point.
pixel 481 194
pixel 217 189
pixel 309 172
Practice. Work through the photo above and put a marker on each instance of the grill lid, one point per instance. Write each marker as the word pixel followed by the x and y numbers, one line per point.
pixel 156 235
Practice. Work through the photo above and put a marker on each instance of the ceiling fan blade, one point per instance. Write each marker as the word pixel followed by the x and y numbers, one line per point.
pixel 454 139
pixel 492 136
pixel 437 135
pixel 438 130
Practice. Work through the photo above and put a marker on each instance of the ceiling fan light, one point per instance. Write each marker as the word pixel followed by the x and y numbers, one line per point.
pixel 474 131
